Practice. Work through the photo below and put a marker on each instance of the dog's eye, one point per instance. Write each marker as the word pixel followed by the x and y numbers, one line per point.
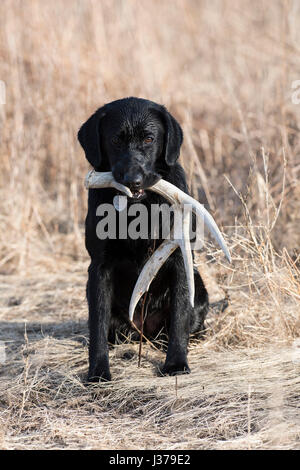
pixel 148 140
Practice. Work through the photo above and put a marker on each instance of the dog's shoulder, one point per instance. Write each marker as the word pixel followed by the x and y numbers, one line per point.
pixel 176 175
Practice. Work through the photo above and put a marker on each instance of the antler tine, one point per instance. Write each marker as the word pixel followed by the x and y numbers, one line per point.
pixel 149 271
pixel 186 251
pixel 176 196
pixel 160 256
pixel 104 180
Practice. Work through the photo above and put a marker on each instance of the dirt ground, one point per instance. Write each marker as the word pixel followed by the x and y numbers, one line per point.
pixel 235 398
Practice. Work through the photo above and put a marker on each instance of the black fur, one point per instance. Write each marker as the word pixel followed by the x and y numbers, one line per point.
pixel 139 141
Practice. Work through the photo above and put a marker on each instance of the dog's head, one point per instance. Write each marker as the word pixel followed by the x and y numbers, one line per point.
pixel 134 138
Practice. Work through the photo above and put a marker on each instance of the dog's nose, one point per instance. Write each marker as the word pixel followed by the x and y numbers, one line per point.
pixel 134 183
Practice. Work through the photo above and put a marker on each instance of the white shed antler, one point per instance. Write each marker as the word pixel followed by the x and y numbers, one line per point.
pixel 179 199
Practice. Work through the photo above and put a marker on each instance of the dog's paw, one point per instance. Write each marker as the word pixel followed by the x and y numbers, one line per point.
pixel 178 368
pixel 96 377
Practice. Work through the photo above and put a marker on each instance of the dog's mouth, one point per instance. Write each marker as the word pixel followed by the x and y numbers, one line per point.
pixel 141 193
pixel 137 194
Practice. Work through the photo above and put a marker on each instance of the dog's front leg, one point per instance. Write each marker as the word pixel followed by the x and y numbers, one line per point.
pixel 181 310
pixel 99 295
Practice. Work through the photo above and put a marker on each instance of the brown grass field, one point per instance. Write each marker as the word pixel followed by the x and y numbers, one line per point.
pixel 225 69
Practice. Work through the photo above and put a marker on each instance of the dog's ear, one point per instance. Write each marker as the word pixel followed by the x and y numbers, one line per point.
pixel 89 139
pixel 173 138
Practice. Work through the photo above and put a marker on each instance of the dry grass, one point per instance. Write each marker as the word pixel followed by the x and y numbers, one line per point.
pixel 225 69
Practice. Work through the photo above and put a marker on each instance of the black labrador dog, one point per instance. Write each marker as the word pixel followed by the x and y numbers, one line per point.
pixel 139 142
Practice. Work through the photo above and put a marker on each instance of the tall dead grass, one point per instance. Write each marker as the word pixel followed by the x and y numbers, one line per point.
pixel 225 69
